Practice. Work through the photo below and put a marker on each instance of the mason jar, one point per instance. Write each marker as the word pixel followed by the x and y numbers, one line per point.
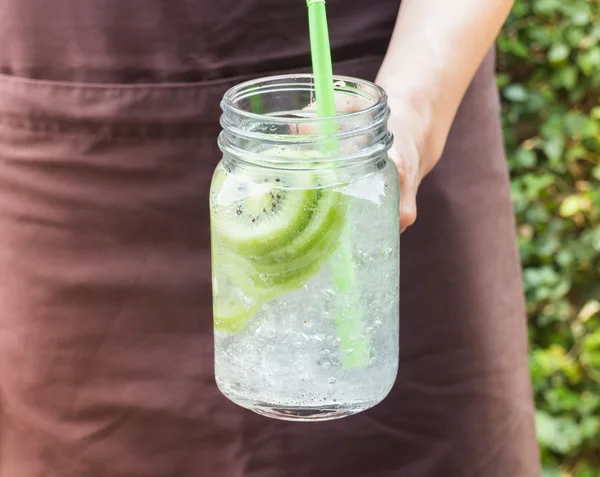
pixel 305 250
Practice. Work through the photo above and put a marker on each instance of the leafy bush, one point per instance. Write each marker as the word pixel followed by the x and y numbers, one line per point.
pixel 549 75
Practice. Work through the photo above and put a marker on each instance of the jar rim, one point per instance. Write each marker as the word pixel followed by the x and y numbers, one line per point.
pixel 265 116
pixel 246 88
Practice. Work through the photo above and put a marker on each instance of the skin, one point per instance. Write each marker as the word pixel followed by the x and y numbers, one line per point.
pixel 434 53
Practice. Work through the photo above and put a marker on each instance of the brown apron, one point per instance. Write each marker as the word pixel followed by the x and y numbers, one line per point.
pixel 108 121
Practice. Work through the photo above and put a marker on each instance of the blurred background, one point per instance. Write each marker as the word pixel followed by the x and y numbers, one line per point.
pixel 549 76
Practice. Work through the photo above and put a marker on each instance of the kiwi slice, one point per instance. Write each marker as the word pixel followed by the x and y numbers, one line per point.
pixel 240 288
pixel 324 227
pixel 270 236
pixel 257 216
pixel 280 278
pixel 279 229
pixel 235 298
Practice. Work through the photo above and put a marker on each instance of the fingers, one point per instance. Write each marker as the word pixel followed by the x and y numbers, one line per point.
pixel 344 104
pixel 407 170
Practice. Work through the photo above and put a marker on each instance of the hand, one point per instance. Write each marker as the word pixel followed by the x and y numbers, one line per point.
pixel 416 148
pixel 435 50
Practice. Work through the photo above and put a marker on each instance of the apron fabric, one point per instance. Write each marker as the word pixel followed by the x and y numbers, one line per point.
pixel 108 121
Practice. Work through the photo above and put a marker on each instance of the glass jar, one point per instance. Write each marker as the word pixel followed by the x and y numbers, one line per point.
pixel 305 250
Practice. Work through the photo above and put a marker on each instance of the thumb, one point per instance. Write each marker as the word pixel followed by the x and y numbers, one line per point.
pixel 408 192
pixel 408 204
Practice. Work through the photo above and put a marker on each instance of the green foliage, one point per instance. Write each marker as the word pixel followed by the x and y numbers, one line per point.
pixel 549 75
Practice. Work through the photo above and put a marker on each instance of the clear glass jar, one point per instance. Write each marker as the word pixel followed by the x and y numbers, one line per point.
pixel 305 250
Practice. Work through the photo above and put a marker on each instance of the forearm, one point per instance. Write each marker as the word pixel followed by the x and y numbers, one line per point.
pixel 435 51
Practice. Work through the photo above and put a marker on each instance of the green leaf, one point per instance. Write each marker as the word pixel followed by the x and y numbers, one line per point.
pixel 559 434
pixel 590 427
pixel 573 205
pixel 534 184
pixel 525 158
pixel 552 472
pixel 516 93
pixel 558 53
pixel 589 62
pixel 547 7
pixel 576 123
pixel 580 14
pixel 554 148
pixel 566 77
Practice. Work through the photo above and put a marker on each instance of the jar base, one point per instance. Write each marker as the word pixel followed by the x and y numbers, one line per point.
pixel 303 414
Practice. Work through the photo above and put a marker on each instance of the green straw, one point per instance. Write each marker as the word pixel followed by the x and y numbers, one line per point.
pixel 321 63
pixel 349 323
pixel 256 104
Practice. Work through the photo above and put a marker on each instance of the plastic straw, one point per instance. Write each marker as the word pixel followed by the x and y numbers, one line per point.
pixel 349 322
